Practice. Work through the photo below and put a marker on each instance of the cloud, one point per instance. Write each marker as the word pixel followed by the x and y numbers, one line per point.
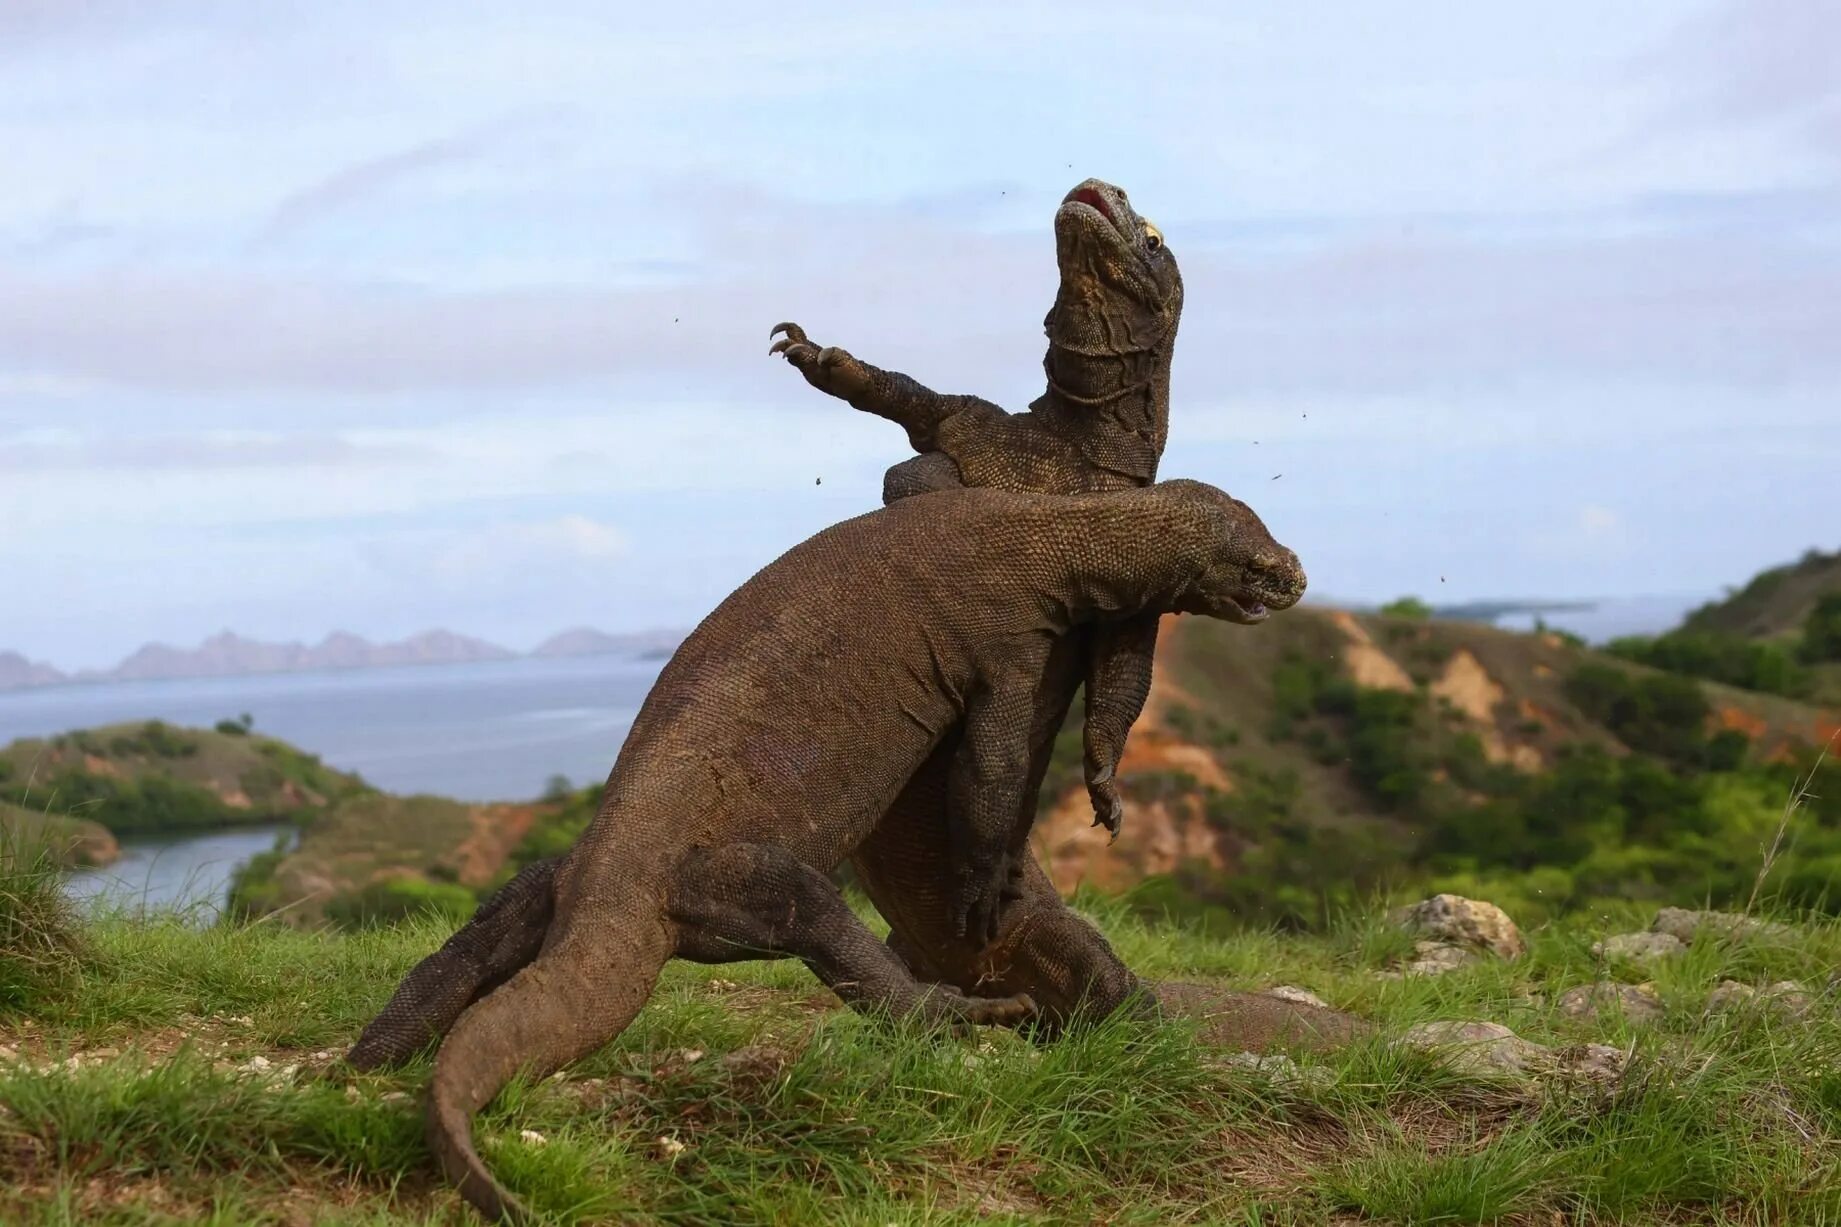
pixel 192 453
pixel 519 550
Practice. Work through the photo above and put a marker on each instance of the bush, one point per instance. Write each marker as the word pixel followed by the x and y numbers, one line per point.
pixel 1736 661
pixel 1822 630
pixel 1407 607
pixel 1657 714
pixel 397 899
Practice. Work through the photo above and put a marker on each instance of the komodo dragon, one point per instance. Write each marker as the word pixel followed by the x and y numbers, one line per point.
pixel 1100 425
pixel 781 730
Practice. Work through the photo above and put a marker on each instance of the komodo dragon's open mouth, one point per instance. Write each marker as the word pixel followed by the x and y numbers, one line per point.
pixel 1094 200
pixel 1248 608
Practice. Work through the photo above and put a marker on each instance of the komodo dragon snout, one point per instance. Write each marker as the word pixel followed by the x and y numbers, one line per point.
pixel 1249 575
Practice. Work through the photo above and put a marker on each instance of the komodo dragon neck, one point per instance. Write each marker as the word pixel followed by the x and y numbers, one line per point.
pixel 1111 334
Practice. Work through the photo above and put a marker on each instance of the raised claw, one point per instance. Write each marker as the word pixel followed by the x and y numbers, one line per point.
pixel 793 331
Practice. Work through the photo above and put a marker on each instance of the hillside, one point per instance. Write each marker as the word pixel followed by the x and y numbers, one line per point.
pixel 1327 755
pixel 1775 603
pixel 69 841
pixel 153 777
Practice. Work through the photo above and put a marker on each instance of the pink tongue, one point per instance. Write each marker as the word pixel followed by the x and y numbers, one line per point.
pixel 1088 196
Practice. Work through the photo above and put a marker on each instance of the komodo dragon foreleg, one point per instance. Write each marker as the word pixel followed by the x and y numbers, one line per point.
pixel 1117 686
pixel 917 409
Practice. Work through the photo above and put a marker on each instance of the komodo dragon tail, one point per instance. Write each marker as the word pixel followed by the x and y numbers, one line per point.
pixel 577 996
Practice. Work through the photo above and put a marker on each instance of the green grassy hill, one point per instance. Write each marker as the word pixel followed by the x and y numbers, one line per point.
pixel 1327 755
pixel 1774 603
pixel 69 841
pixel 156 778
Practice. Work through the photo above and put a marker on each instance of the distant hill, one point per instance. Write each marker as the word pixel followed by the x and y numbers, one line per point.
pixel 1775 603
pixel 585 641
pixel 18 673
pixel 228 654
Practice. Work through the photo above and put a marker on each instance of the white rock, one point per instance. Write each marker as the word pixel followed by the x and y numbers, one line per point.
pixel 1303 996
pixel 530 1137
pixel 1639 947
pixel 1463 922
pixel 1684 924
pixel 1483 1049
pixel 1437 958
pixel 670 1147
pixel 1636 1002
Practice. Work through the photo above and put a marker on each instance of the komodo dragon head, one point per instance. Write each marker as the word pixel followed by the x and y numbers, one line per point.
pixel 1245 575
pixel 1121 293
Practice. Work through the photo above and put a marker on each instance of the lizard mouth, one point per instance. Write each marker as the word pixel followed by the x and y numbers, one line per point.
pixel 1244 608
pixel 1093 200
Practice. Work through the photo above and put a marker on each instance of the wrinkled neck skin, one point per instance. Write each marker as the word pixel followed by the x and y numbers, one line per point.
pixel 1108 367
pixel 1128 552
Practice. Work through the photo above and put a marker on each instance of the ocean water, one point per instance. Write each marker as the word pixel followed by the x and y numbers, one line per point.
pixel 484 732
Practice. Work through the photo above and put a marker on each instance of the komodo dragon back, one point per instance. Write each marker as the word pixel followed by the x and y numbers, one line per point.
pixel 692 790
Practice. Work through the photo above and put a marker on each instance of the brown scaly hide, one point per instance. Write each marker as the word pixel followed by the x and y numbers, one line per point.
pixel 786 725
pixel 1110 333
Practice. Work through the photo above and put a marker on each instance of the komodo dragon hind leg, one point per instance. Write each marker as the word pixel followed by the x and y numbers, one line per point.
pixel 750 901
pixel 504 934
pixel 576 996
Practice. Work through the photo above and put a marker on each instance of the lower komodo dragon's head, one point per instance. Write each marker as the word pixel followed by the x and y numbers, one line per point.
pixel 1240 574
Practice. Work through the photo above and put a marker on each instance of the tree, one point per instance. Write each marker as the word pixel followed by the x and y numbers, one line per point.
pixel 1407 607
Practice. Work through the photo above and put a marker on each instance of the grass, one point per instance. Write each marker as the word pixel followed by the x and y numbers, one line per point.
pixel 743 1095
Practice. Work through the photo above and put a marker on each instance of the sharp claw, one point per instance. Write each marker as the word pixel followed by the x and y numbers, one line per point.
pixel 780 346
pixel 793 331
pixel 1101 776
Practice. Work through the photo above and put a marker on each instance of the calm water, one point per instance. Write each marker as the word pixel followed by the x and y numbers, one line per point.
pixel 481 732
pixel 191 874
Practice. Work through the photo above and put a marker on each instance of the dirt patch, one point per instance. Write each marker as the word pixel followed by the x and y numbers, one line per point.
pixel 1368 664
pixel 1468 687
pixel 1738 719
pixel 496 832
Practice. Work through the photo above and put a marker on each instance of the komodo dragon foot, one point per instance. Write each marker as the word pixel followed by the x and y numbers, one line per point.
pixel 829 369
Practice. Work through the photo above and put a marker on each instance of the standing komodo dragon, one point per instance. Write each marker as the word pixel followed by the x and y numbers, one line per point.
pixel 1100 425
pixel 779 733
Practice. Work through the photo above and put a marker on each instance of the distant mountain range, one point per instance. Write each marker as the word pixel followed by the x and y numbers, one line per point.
pixel 228 654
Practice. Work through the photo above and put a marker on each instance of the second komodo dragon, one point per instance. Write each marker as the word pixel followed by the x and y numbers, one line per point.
pixel 1099 425
pixel 783 727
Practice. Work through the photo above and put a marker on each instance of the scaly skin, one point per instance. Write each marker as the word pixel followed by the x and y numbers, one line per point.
pixel 785 725
pixel 1099 425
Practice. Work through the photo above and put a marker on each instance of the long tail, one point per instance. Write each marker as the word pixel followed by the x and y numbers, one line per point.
pixel 577 996
pixel 503 936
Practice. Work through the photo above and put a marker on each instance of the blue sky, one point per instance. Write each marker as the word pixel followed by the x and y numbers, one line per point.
pixel 391 315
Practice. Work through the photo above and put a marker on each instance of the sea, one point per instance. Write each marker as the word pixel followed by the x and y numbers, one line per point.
pixel 493 731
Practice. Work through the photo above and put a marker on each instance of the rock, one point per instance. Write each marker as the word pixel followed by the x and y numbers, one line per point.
pixel 1437 958
pixel 1458 921
pixel 1639 947
pixel 1598 1064
pixel 1787 996
pixel 1636 1002
pixel 669 1147
pixel 530 1137
pixel 1482 1049
pixel 1303 996
pixel 1281 1071
pixel 395 1097
pixel 1682 924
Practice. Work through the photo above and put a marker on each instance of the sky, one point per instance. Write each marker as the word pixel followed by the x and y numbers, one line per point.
pixel 394 314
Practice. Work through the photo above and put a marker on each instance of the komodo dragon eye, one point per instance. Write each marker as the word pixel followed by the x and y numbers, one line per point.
pixel 1153 237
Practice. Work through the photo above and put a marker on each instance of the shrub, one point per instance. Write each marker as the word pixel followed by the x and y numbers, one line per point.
pixel 396 899
pixel 1822 629
pixel 1407 607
